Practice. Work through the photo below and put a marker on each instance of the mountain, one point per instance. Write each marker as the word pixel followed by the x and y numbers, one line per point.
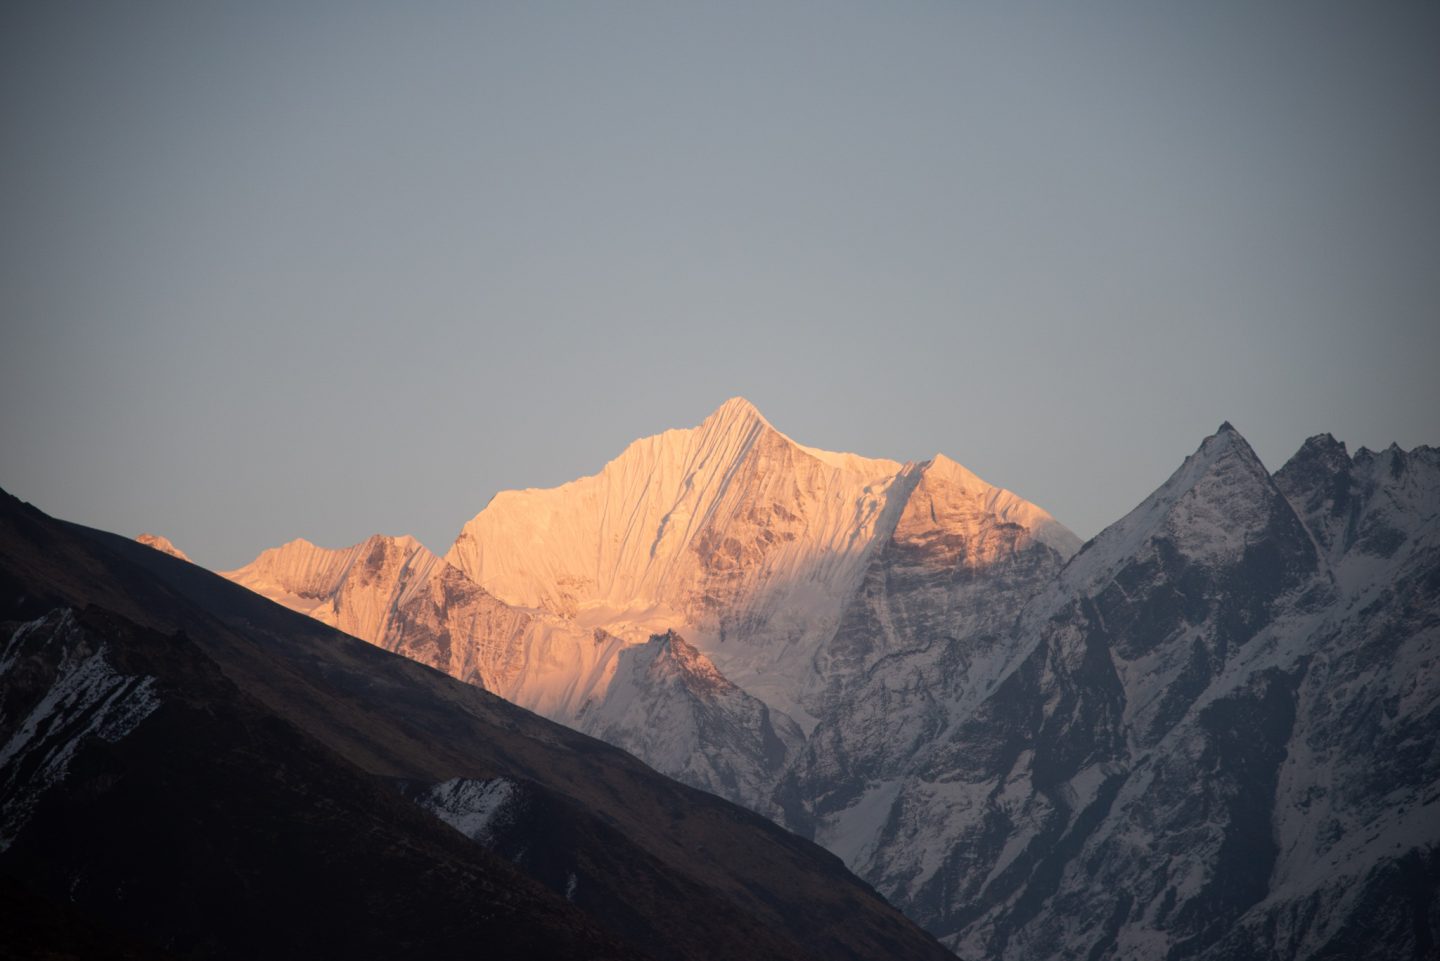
pixel 148 795
pixel 668 702
pixel 192 770
pixel 1210 732
pixel 1213 735
pixel 162 543
pixel 746 544
pixel 396 594
pixel 931 623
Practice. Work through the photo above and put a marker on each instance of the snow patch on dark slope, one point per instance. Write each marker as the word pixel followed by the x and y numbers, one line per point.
pixel 475 808
pixel 47 712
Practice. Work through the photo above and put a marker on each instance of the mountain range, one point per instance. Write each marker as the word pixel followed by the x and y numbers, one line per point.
pixel 188 770
pixel 1209 732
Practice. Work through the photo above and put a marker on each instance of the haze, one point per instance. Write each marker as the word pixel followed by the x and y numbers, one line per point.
pixel 268 273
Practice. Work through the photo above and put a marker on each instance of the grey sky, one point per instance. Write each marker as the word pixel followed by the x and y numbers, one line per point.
pixel 268 273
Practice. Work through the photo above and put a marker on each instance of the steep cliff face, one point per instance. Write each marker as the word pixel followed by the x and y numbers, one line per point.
pixel 1164 691
pixel 960 562
pixel 1205 743
pixel 935 612
pixel 1358 800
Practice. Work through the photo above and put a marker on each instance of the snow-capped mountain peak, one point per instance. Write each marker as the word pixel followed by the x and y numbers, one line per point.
pixel 1005 506
pixel 668 703
pixel 736 410
pixel 747 541
pixel 1210 501
pixel 353 588
pixel 630 538
pixel 162 544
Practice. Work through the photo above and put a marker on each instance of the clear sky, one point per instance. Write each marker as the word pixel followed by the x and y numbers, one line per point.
pixel 271 270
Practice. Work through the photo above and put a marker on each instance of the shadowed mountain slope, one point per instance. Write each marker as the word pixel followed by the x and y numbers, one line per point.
pixel 1214 735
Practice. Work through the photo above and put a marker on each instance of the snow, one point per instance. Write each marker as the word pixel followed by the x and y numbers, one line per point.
pixel 746 542
pixel 731 533
pixel 669 705
pixel 162 544
pixel 853 834
pixel 761 551
pixel 626 537
pixel 87 698
pixel 475 808
pixel 1004 506
pixel 356 589
pixel 1190 505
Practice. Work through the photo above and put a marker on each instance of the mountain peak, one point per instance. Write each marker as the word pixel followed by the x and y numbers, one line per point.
pixel 162 544
pixel 1321 455
pixel 1210 502
pixel 737 406
pixel 948 467
pixel 736 415
pixel 1225 444
pixel 1004 505
pixel 676 649
pixel 1225 435
pixel 402 542
pixel 1220 448
pixel 1324 442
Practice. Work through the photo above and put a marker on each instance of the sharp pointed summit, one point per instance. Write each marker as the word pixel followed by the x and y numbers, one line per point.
pixel 941 465
pixel 1213 499
pixel 737 408
pixel 731 428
